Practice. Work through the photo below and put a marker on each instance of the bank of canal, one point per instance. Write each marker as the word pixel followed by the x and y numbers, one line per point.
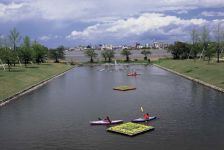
pixel 22 80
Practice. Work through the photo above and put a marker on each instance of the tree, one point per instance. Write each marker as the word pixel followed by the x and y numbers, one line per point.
pixel 91 54
pixel 179 50
pixel 195 49
pixel 14 37
pixel 7 56
pixel 40 52
pixel 127 53
pixel 195 43
pixel 104 55
pixel 4 41
pixel 211 49
pixel 205 38
pixel 145 52
pixel 25 51
pixel 57 53
pixel 218 37
pixel 110 54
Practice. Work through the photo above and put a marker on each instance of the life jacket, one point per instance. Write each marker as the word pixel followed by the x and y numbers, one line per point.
pixel 146 116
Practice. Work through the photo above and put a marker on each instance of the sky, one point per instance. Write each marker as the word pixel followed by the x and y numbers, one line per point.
pixel 82 22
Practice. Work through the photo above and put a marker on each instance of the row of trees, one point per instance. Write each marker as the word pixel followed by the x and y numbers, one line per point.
pixel 27 52
pixel 202 45
pixel 109 54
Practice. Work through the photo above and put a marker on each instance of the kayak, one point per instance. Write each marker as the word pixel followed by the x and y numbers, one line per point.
pixel 133 74
pixel 143 119
pixel 105 122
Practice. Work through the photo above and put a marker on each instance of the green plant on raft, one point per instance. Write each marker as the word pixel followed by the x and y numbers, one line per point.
pixel 130 128
pixel 124 88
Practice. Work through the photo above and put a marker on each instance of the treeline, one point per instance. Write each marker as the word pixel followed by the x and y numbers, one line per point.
pixel 203 45
pixel 108 54
pixel 17 50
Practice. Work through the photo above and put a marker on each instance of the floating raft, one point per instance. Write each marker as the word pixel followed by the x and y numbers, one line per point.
pixel 130 129
pixel 124 88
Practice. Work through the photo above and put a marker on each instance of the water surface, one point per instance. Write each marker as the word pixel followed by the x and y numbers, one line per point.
pixel 57 115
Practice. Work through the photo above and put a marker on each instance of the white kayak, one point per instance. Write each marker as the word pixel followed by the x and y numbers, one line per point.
pixel 105 122
pixel 143 119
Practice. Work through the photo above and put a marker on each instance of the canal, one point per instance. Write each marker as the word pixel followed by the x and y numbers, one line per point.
pixel 57 115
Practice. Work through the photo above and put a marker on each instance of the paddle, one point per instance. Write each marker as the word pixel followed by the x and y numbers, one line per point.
pixel 142 109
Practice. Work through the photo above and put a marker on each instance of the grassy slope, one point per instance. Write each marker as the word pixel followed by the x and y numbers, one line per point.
pixel 20 77
pixel 212 73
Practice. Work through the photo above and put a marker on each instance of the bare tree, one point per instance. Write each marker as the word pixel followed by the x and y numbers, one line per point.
pixel 205 38
pixel 195 36
pixel 195 42
pixel 218 37
pixel 14 38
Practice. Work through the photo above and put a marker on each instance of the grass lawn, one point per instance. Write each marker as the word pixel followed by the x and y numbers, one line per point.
pixel 212 73
pixel 20 77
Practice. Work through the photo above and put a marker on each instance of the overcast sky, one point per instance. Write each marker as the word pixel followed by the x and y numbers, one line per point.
pixel 75 22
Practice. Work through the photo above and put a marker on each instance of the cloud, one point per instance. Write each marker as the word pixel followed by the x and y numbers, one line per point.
pixel 111 20
pixel 15 11
pixel 137 26
pixel 94 9
pixel 49 37
pixel 89 32
pixel 212 14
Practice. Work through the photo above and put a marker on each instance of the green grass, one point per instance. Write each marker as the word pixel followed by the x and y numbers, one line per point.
pixel 212 73
pixel 21 78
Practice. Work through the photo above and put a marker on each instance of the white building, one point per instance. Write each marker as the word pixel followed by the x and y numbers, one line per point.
pixel 159 45
pixel 107 46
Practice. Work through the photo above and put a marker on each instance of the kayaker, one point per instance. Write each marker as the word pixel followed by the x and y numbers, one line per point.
pixel 146 116
pixel 107 119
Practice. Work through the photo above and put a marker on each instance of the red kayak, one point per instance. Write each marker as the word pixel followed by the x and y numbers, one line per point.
pixel 133 74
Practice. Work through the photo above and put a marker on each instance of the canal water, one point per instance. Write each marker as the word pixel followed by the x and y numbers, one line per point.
pixel 57 115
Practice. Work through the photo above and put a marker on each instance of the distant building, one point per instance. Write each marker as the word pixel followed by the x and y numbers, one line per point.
pixel 159 45
pixel 147 45
pixel 125 47
pixel 137 45
pixel 106 46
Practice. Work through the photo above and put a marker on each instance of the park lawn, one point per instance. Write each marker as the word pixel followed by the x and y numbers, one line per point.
pixel 21 78
pixel 212 73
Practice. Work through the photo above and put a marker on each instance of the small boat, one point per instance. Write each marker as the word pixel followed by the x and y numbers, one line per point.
pixel 133 74
pixel 105 122
pixel 143 119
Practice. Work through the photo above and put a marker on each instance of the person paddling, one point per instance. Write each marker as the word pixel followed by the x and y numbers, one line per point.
pixel 107 119
pixel 146 116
